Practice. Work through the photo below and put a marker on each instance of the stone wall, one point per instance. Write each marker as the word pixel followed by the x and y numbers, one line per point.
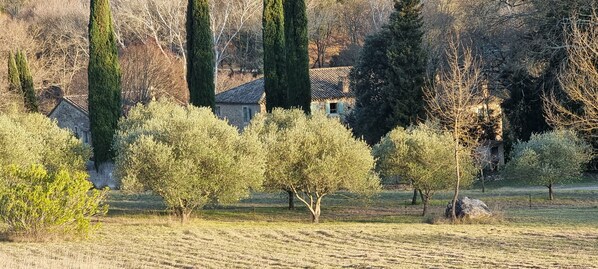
pixel 72 118
pixel 234 113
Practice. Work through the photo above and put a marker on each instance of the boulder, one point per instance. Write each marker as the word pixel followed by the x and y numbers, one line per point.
pixel 469 208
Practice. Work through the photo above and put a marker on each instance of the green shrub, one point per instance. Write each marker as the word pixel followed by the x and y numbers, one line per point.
pixel 38 205
pixel 28 139
pixel 549 158
pixel 187 156
pixel 425 156
pixel 314 156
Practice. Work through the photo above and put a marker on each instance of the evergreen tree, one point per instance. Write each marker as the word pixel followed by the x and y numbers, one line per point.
pixel 14 82
pixel 369 82
pixel 407 65
pixel 296 43
pixel 275 71
pixel 104 80
pixel 200 54
pixel 26 82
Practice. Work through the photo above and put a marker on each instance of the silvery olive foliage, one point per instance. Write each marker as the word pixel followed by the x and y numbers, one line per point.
pixel 313 156
pixel 187 156
pixel 424 155
pixel 549 158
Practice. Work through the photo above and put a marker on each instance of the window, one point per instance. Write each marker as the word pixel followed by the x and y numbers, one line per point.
pixel 86 137
pixel 247 114
pixel 217 111
pixel 333 108
pixel 76 132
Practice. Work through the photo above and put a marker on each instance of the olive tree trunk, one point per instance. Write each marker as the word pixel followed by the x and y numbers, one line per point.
pixel 550 192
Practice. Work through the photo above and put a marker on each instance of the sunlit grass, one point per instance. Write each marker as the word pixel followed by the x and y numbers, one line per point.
pixel 385 231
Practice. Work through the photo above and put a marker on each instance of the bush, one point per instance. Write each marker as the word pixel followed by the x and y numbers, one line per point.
pixel 28 139
pixel 425 156
pixel 187 156
pixel 314 156
pixel 38 205
pixel 549 158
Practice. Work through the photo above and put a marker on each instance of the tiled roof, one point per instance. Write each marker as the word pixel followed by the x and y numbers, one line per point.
pixel 248 93
pixel 326 83
pixel 78 101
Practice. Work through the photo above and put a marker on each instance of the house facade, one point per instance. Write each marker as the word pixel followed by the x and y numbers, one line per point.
pixel 330 94
pixel 71 113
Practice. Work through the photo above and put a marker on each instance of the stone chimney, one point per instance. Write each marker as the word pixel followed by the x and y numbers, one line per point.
pixel 343 84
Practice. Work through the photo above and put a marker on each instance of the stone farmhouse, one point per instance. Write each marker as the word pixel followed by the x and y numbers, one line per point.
pixel 71 113
pixel 330 94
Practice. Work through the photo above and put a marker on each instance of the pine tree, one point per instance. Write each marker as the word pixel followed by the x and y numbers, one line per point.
pixel 296 42
pixel 26 82
pixel 275 68
pixel 14 82
pixel 104 81
pixel 407 64
pixel 200 54
pixel 369 82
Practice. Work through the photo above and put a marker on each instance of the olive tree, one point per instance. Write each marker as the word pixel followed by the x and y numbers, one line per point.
pixel 423 155
pixel 314 156
pixel 549 158
pixel 187 156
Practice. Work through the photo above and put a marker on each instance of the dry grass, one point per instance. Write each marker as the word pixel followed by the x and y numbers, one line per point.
pixel 381 233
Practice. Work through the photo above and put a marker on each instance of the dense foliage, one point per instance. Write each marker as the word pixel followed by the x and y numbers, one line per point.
pixel 187 156
pixel 297 55
pixel 200 54
pixel 104 80
pixel 313 156
pixel 43 184
pixel 36 204
pixel 14 81
pixel 26 82
pixel 275 67
pixel 28 139
pixel 549 158
pixel 406 64
pixel 423 155
pixel 389 75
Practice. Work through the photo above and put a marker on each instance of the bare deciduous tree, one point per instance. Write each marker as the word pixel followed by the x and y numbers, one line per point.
pixel 579 80
pixel 452 98
pixel 148 73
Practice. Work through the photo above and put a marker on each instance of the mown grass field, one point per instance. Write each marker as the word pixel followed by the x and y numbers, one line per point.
pixel 383 232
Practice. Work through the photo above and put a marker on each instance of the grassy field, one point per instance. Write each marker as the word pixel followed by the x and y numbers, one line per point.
pixel 383 232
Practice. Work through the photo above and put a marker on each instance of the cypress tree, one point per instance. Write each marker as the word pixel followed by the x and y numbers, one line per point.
pixel 407 64
pixel 296 42
pixel 200 54
pixel 26 82
pixel 275 73
pixel 104 81
pixel 14 82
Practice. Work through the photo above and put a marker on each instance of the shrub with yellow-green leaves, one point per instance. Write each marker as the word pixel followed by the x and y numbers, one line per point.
pixel 187 156
pixel 313 156
pixel 44 191
pixel 38 205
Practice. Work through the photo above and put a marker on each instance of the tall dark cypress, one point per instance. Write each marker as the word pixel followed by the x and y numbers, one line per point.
pixel 407 64
pixel 104 81
pixel 299 86
pixel 26 82
pixel 200 54
pixel 275 73
pixel 14 82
